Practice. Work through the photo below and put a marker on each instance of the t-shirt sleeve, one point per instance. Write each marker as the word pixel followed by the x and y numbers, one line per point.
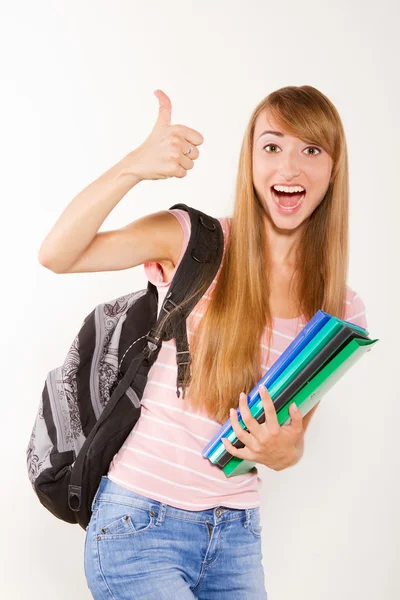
pixel 355 311
pixel 154 270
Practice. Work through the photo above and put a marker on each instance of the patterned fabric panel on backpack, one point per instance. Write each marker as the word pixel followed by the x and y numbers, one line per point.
pixel 58 425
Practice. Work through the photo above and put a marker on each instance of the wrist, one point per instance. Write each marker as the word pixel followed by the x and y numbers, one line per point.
pixel 128 169
pixel 299 451
pixel 295 456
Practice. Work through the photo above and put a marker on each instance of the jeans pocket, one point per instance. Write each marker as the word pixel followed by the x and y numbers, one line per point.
pixel 255 523
pixel 115 520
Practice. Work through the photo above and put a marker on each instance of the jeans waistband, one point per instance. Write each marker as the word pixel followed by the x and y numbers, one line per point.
pixel 108 491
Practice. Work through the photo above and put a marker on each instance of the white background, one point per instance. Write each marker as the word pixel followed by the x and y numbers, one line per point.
pixel 77 83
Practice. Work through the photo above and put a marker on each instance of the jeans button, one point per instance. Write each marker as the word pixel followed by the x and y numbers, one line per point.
pixel 218 512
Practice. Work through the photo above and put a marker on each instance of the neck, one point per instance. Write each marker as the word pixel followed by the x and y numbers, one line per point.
pixel 283 245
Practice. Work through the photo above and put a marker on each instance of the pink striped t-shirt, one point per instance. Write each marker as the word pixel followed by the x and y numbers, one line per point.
pixel 161 457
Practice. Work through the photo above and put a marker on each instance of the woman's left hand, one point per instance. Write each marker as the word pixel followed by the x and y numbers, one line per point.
pixel 273 445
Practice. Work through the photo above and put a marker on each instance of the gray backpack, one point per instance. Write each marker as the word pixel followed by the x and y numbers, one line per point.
pixel 91 402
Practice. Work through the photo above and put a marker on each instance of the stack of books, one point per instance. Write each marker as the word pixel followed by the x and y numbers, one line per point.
pixel 309 367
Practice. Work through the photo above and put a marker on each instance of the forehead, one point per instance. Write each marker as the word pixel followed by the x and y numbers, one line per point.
pixel 265 122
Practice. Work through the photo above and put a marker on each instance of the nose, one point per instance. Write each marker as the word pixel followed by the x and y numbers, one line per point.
pixel 288 174
pixel 288 167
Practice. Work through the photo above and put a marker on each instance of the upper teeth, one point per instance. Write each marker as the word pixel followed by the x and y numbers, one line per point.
pixel 285 188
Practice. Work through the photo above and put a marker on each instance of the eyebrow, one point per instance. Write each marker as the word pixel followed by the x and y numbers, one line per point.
pixel 278 133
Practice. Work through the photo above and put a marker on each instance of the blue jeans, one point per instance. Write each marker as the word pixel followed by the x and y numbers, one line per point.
pixel 137 548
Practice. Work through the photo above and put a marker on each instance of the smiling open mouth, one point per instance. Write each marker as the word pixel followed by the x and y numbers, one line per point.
pixel 287 200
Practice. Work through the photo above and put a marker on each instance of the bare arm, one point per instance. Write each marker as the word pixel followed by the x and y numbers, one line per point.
pixel 75 245
pixel 156 237
pixel 78 224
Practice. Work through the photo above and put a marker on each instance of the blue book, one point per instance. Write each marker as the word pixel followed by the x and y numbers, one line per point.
pixel 309 331
pixel 317 345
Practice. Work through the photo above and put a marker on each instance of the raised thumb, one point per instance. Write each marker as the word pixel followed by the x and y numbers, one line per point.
pixel 164 109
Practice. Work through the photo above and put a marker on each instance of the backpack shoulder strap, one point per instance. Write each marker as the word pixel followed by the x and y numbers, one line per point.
pixel 201 260
pixel 202 256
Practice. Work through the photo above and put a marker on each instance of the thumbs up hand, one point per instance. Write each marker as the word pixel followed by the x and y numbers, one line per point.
pixel 162 154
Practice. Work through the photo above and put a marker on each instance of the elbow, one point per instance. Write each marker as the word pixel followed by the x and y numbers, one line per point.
pixel 47 264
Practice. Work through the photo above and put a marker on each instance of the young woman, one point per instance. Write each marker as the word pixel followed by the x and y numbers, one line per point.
pixel 166 523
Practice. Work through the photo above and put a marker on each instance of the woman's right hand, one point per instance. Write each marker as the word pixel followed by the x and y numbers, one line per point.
pixel 161 156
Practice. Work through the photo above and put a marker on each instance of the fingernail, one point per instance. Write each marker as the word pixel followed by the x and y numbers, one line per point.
pixel 294 406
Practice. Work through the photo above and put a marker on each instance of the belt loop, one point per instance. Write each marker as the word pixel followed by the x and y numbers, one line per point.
pixel 248 517
pixel 161 514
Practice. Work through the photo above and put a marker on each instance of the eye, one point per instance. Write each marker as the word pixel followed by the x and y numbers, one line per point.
pixel 314 148
pixel 273 145
pixel 308 148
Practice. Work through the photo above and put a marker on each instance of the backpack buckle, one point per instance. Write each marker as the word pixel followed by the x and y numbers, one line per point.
pixel 152 342
pixel 181 360
pixel 74 497
pixel 167 299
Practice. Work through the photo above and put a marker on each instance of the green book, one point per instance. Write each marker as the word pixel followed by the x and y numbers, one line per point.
pixel 316 345
pixel 309 395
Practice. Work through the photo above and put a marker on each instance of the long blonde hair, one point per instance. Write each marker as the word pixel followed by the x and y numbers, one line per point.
pixel 225 349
